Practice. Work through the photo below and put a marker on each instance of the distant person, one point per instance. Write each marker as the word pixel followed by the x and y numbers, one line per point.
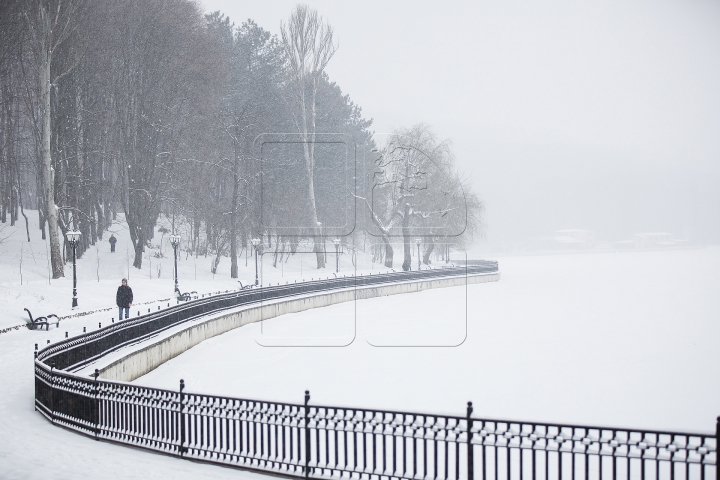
pixel 124 299
pixel 112 241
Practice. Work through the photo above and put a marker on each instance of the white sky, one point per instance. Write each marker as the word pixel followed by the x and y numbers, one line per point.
pixel 597 114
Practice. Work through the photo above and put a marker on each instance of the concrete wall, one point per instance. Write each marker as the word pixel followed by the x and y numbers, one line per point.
pixel 147 357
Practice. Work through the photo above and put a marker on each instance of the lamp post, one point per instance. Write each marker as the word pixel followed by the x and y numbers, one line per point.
pixel 175 242
pixel 73 238
pixel 417 242
pixel 256 244
pixel 336 241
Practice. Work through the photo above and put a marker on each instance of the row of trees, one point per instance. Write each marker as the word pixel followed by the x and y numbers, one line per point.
pixel 148 107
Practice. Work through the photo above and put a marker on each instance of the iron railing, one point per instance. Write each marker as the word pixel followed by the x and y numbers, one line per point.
pixel 305 440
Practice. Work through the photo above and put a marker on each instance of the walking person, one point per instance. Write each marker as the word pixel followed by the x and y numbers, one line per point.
pixel 124 299
pixel 112 241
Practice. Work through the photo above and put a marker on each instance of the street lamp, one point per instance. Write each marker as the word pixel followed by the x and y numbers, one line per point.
pixel 256 244
pixel 417 242
pixel 73 238
pixel 336 241
pixel 175 242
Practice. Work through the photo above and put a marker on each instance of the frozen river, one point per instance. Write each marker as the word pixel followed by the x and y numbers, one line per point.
pixel 617 339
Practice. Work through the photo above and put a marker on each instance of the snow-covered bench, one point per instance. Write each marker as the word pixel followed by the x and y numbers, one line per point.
pixel 187 296
pixel 37 323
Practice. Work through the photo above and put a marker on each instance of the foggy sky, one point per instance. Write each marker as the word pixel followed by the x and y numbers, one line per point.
pixel 602 115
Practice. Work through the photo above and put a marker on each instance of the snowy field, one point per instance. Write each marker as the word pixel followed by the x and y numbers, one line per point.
pixel 613 339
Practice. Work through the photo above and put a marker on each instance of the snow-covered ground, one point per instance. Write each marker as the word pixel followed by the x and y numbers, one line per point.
pixel 32 448
pixel 614 338
pixel 25 277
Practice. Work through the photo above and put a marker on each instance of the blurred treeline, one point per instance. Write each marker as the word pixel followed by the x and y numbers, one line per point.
pixel 151 107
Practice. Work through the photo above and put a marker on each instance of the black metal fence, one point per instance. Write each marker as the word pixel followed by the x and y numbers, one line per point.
pixel 305 440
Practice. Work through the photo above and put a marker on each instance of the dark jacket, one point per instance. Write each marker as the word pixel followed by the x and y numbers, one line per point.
pixel 124 296
pixel 112 240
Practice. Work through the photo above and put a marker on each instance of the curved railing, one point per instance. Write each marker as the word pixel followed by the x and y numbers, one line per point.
pixel 305 440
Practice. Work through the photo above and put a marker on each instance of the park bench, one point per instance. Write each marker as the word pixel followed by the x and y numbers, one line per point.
pixel 187 296
pixel 39 322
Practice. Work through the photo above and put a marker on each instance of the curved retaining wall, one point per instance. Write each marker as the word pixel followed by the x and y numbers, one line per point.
pixel 145 358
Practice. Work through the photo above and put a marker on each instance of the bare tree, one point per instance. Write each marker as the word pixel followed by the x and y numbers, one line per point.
pixel 249 108
pixel 416 192
pixel 309 46
pixel 50 23
pixel 163 112
pixel 163 80
pixel 12 37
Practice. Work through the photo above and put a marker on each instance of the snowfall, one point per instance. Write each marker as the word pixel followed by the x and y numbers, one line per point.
pixel 623 339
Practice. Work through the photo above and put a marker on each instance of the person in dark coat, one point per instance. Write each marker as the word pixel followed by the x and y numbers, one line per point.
pixel 124 299
pixel 112 241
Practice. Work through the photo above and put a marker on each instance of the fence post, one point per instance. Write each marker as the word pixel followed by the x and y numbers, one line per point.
pixel 52 392
pixel 97 404
pixel 35 373
pixel 307 434
pixel 717 449
pixel 182 418
pixel 470 465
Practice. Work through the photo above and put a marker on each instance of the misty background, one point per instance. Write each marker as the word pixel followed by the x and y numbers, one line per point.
pixel 601 115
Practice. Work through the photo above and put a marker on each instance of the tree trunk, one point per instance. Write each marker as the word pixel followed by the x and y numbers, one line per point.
pixel 319 247
pixel 429 247
pixel 388 251
pixel 407 260
pixel 41 220
pixel 233 220
pixel 100 221
pixel 47 168
pixel 278 252
pixel 139 248
pixel 209 239
pixel 233 251
pixel 377 253
pixel 216 262
pixel 319 240
pixel 196 232
pixel 317 229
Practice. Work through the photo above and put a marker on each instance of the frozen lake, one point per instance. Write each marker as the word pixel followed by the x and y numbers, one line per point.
pixel 617 339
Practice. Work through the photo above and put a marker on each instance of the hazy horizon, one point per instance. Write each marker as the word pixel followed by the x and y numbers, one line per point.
pixel 600 115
